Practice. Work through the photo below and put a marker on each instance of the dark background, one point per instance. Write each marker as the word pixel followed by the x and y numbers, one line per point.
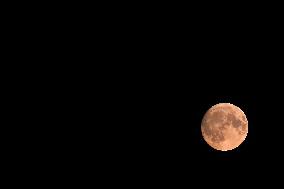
pixel 159 77
pixel 123 95
pixel 161 92
pixel 158 111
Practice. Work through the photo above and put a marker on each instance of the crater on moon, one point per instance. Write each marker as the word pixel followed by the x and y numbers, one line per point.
pixel 217 117
pixel 231 118
pixel 224 126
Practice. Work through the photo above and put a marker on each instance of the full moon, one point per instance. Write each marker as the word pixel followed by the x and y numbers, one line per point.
pixel 224 126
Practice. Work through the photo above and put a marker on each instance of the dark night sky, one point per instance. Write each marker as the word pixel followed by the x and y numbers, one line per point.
pixel 164 112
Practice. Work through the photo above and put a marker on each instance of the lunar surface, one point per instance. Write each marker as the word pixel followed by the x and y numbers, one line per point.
pixel 224 126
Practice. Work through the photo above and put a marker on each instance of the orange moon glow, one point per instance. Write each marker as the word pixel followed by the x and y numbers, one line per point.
pixel 224 126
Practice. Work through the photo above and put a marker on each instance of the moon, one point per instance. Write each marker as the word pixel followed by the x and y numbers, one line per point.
pixel 224 126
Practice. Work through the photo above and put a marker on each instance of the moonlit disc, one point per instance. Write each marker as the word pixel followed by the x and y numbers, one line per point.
pixel 224 126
